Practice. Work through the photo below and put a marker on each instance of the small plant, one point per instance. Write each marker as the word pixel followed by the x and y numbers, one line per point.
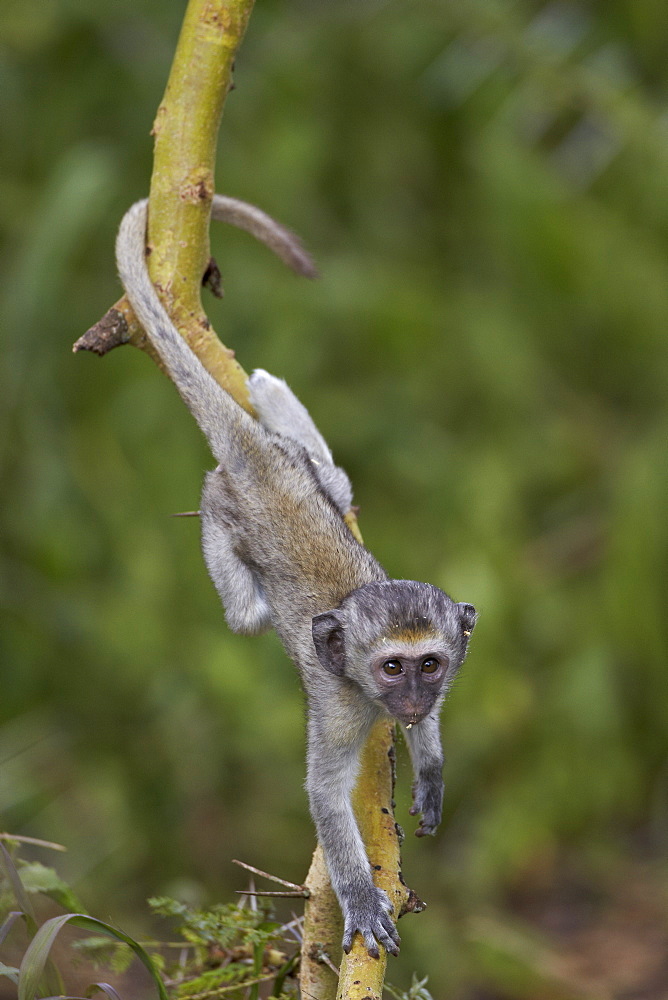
pixel 230 945
pixel 225 951
pixel 417 990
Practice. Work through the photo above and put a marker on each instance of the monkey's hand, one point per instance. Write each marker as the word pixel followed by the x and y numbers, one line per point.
pixel 428 800
pixel 367 909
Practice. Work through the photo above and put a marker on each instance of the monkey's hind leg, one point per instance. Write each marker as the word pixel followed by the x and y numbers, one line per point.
pixel 280 411
pixel 242 594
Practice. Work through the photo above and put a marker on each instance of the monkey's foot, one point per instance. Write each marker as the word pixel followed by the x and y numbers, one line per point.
pixel 369 912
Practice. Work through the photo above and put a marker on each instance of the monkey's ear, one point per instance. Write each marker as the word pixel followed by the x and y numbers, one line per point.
pixel 467 616
pixel 328 641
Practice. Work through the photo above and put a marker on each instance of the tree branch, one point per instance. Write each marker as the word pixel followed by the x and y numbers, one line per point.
pixel 182 187
pixel 186 130
pixel 361 977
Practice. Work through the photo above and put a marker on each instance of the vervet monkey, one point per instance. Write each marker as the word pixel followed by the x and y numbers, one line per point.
pixel 280 555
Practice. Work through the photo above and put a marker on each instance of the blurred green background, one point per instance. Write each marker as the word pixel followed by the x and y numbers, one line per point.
pixel 484 186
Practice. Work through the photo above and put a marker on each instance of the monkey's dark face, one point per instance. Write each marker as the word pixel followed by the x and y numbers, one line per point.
pixel 409 681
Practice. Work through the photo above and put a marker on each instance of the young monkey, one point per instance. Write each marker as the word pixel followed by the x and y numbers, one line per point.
pixel 280 555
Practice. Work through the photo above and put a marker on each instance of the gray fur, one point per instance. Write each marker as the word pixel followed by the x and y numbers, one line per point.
pixel 280 411
pixel 281 555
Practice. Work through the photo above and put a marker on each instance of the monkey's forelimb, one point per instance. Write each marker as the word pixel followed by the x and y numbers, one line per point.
pixel 424 745
pixel 333 766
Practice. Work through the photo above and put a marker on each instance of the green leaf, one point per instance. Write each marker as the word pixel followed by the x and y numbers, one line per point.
pixel 284 972
pixel 37 877
pixel 224 924
pixel 105 988
pixel 21 896
pixel 37 954
pixel 10 972
pixel 114 955
pixel 9 923
pixel 211 980
pixel 418 990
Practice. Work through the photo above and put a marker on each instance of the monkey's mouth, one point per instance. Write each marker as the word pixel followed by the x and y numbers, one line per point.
pixel 405 711
pixel 412 720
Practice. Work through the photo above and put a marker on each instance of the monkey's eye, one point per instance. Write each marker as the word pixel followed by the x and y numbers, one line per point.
pixel 392 668
pixel 430 665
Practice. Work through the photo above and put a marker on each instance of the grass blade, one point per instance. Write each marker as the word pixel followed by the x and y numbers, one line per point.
pixel 36 957
pixel 8 924
pixel 21 896
pixel 106 988
pixel 10 972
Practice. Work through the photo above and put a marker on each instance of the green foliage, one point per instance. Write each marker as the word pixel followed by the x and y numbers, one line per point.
pixel 37 972
pixel 221 925
pixel 36 877
pixel 226 928
pixel 101 951
pixel 483 186
pixel 417 990
pixel 10 971
pixel 212 979
pixel 227 946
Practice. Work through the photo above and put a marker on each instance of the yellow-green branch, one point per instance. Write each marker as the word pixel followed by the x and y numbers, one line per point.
pixel 182 185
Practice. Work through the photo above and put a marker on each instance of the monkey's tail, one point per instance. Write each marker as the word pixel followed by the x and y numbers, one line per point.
pixel 282 241
pixel 215 410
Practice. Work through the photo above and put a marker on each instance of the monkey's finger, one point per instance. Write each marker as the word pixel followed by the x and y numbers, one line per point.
pixel 369 941
pixel 425 830
pixel 388 937
pixel 371 945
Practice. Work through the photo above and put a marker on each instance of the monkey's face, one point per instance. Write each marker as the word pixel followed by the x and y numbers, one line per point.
pixel 401 642
pixel 409 679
